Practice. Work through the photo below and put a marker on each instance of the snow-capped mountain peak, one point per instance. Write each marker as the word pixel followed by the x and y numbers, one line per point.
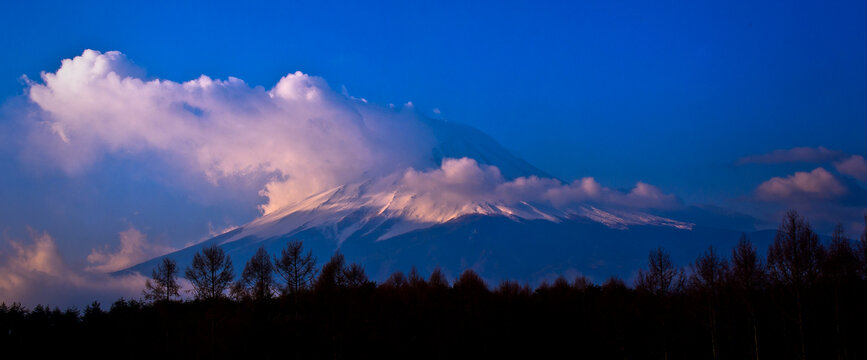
pixel 384 205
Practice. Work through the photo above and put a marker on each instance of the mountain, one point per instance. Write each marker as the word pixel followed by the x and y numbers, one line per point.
pixel 385 226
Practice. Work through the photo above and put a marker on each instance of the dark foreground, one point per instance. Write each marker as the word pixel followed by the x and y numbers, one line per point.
pixel 420 321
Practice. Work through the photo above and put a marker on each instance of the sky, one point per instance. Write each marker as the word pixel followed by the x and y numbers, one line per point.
pixel 752 106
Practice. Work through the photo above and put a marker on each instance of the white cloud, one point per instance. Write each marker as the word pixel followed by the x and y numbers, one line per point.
pixel 37 273
pixel 854 166
pixel 463 182
pixel 799 154
pixel 305 136
pixel 819 184
pixel 134 248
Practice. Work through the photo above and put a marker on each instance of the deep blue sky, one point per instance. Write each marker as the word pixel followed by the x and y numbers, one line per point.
pixel 671 93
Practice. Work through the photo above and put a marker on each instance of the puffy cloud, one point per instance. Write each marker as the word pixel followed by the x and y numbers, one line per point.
pixel 826 198
pixel 817 184
pixel 464 182
pixel 587 189
pixel 457 179
pixel 644 195
pixel 799 154
pixel 854 166
pixel 303 135
pixel 37 273
pixel 134 248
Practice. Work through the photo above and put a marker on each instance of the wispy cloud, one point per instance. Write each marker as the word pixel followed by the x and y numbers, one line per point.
pixel 36 272
pixel 134 248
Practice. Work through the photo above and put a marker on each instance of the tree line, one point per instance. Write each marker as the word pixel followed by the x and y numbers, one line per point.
pixel 804 300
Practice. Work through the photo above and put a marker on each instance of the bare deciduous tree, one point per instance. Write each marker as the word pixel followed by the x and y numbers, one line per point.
pixel 296 268
pixel 794 259
pixel 354 276
pixel 862 250
pixel 257 279
pixel 708 275
pixel 840 269
pixel 747 277
pixel 662 277
pixel 163 283
pixel 211 273
pixel 437 279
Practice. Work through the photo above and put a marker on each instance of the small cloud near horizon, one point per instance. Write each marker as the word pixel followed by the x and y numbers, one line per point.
pixel 818 183
pixel 35 272
pixel 854 166
pixel 134 248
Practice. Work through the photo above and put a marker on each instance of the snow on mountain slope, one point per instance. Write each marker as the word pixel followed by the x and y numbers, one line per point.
pixel 467 175
pixel 385 203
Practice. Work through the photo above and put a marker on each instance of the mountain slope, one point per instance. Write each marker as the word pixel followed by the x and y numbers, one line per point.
pixel 386 225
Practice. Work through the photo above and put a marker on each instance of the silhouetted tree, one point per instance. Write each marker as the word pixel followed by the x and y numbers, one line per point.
pixel 561 285
pixel 576 318
pixel 163 283
pixel 257 279
pixel 747 277
pixel 511 288
pixel 794 260
pixel 661 280
pixel 332 274
pixel 335 274
pixel 354 276
pixel 93 312
pixel 841 269
pixel 297 269
pixel 708 275
pixel 614 283
pixel 397 280
pixel 582 283
pixel 415 280
pixel 862 251
pixel 211 272
pixel 334 277
pixel 470 283
pixel 437 279
pixel 662 277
